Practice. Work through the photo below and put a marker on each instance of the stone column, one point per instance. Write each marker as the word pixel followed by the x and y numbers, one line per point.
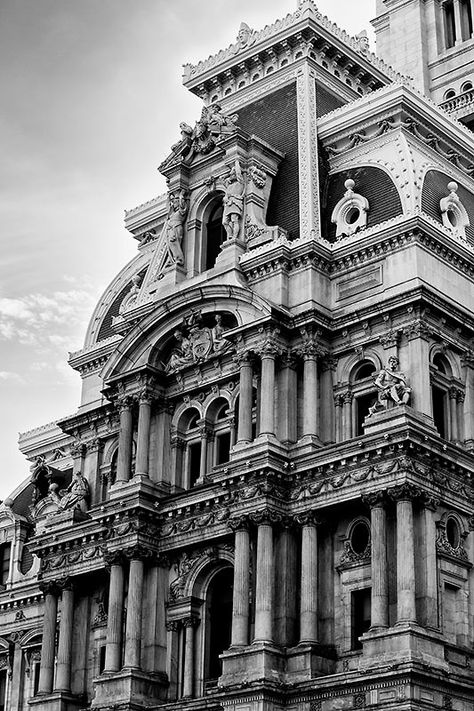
pixel 244 431
pixel 338 403
pixel 287 388
pixel 267 418
pixel 143 434
pixel 113 650
pixel 453 414
pixel 458 21
pixel 310 391
pixel 46 675
pixel 468 409
pixel 124 464
pixel 205 434
pixel 63 669
pixel 92 470
pixel 172 657
pixel 17 691
pixel 178 447
pixel 265 585
pixel 430 577
pixel 327 432
pixel 378 534
pixel 133 629
pixel 406 589
pixel 418 364
pixel 347 415
pixel 309 578
pixel 190 624
pixel 240 600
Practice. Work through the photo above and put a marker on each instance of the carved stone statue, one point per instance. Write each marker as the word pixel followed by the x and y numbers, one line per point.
pixel 245 38
pixel 182 354
pixel 233 202
pixel 392 385
pixel 177 212
pixel 207 130
pixel 41 477
pixel 76 495
pixel 219 343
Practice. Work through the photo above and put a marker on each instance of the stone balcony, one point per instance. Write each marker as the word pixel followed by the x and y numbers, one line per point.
pixel 460 107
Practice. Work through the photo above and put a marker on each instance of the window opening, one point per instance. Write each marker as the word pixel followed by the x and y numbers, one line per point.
pixel 4 563
pixel 194 454
pixel 466 19
pixel 219 621
pixel 215 235
pixel 449 24
pixel 361 615
pixel 439 410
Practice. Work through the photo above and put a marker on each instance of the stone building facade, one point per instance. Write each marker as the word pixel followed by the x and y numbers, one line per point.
pixel 265 498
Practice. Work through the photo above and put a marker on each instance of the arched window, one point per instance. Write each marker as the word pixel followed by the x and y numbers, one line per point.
pixel 218 623
pixel 447 395
pixel 193 450
pixel 467 86
pixel 222 435
pixel 187 449
pixel 364 393
pixel 214 234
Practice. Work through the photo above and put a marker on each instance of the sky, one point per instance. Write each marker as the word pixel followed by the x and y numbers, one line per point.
pixel 91 103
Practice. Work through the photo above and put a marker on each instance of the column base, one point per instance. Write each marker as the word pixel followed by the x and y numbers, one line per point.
pixel 128 686
pixel 406 642
pixel 56 701
pixel 260 661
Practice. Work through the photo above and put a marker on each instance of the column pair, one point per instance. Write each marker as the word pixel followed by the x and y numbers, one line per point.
pixel 124 464
pixel 51 591
pixel 133 631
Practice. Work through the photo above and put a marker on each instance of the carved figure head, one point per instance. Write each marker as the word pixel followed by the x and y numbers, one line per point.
pixel 244 34
pixel 393 363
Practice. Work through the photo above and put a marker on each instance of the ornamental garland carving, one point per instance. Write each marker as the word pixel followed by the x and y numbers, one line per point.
pixel 196 342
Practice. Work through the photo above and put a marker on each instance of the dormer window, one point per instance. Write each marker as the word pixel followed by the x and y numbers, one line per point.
pixel 350 213
pixel 214 234
pixel 453 212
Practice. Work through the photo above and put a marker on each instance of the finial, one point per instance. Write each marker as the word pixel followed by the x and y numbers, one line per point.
pixel 349 184
pixel 453 187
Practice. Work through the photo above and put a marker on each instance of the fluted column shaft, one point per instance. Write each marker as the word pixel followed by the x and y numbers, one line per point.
pixel 244 433
pixel 133 631
pixel 264 593
pixel 310 396
pixel 46 675
pixel 124 464
pixel 240 600
pixel 267 418
pixel 143 436
pixel 406 602
pixel 309 583
pixel 347 416
pixel 63 670
pixel 458 21
pixel 379 603
pixel 188 677
pixel 113 650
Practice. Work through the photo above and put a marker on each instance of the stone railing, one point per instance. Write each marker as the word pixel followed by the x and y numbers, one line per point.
pixel 459 102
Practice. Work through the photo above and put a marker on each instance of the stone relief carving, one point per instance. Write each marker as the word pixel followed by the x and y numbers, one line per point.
pixel 233 202
pixel 41 478
pixel 132 295
pixel 392 386
pixel 196 342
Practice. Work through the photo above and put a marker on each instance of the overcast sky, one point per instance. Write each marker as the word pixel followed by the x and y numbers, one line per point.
pixel 91 102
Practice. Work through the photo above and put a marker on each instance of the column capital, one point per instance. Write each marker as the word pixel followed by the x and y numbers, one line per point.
pixel 124 403
pixel 308 518
pixel 191 621
pixel 138 552
pixel 265 517
pixel 50 587
pixel 390 339
pixel 347 396
pixel 404 492
pixel 429 501
pixel 289 359
pixel 243 357
pixel 172 625
pixel 467 359
pixel 269 346
pixel 375 499
pixel 239 523
pixel 78 449
pixel 417 329
pixel 113 558
pixel 95 445
pixel 145 396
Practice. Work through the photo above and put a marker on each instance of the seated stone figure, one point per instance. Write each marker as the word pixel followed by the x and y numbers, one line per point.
pixel 392 386
pixel 76 495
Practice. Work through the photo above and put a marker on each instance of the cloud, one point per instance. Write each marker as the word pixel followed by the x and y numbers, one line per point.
pixel 8 376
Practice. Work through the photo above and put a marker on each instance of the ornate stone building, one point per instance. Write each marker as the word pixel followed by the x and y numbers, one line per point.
pixel 265 498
